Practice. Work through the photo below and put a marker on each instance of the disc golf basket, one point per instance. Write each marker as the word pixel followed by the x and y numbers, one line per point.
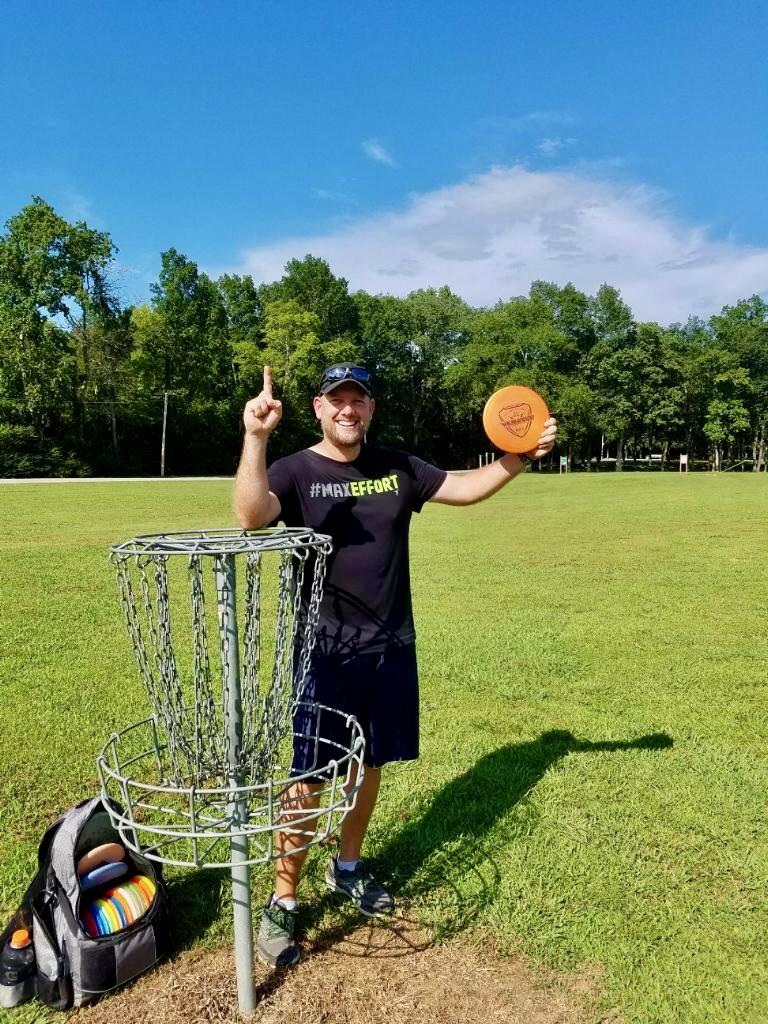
pixel 203 781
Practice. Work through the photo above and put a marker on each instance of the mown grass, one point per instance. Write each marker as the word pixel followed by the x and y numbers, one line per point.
pixel 592 786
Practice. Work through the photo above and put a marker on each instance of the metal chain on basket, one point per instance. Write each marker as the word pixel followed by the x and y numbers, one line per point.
pixel 271 717
pixel 207 722
pixel 172 710
pixel 159 686
pixel 251 662
pixel 133 626
pixel 310 624
pixel 197 742
pixel 222 598
pixel 295 643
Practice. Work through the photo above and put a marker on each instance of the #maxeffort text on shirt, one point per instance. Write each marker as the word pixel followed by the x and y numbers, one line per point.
pixel 355 488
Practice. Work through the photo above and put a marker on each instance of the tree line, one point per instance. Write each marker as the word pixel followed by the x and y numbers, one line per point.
pixel 89 385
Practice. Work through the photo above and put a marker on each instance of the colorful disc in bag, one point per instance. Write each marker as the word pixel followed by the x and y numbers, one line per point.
pixel 148 887
pixel 119 898
pixel 103 874
pixel 131 901
pixel 136 897
pixel 101 918
pixel 111 914
pixel 115 903
pixel 104 854
pixel 89 923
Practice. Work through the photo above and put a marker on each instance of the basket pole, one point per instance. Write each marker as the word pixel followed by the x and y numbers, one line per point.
pixel 238 808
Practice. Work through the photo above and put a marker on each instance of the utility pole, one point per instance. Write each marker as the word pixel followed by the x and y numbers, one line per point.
pixel 162 443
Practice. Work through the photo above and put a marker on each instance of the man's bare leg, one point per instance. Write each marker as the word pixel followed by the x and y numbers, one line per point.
pixel 303 798
pixel 345 874
pixel 355 823
pixel 297 802
pixel 276 943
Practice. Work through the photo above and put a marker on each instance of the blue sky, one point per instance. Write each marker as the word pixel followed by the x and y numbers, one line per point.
pixel 475 144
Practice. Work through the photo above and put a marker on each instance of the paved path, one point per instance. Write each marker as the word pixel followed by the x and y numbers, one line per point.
pixel 106 479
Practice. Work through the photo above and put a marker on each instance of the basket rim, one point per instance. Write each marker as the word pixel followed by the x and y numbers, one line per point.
pixel 222 541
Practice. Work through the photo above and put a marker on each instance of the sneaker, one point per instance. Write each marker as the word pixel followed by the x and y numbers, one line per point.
pixel 276 945
pixel 369 897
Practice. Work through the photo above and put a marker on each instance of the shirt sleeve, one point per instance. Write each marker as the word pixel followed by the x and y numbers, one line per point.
pixel 282 483
pixel 427 480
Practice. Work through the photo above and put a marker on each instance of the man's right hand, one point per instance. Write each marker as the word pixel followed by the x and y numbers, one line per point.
pixel 263 413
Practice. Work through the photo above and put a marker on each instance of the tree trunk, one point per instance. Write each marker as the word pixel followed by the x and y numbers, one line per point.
pixel 620 455
pixel 758 451
pixel 664 454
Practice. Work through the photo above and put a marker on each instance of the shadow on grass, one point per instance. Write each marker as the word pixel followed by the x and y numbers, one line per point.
pixel 441 862
pixel 194 899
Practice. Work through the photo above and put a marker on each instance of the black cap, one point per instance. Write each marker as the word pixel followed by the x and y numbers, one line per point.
pixel 345 373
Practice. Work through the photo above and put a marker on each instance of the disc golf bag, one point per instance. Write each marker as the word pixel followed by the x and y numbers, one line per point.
pixel 73 967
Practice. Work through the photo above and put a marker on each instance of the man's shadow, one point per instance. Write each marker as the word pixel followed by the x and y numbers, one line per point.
pixel 441 853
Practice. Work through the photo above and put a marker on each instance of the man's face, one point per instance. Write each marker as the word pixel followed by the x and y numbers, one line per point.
pixel 345 415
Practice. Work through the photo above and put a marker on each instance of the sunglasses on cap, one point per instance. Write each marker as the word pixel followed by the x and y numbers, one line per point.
pixel 338 374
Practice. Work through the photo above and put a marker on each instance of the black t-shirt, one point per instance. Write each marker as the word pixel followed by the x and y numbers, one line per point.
pixel 365 506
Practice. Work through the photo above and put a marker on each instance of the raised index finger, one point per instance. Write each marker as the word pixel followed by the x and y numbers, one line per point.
pixel 268 381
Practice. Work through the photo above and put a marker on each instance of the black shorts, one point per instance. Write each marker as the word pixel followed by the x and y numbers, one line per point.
pixel 380 690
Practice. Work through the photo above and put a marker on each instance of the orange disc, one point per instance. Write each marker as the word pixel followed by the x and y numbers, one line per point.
pixel 514 417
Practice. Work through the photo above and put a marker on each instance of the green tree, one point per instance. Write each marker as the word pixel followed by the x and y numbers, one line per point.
pixel 52 274
pixel 727 412
pixel 742 330
pixel 293 349
pixel 191 353
pixel 575 407
pixel 611 316
pixel 183 351
pixel 516 342
pixel 310 283
pixel 243 309
pixel 571 315
pixel 614 367
pixel 410 344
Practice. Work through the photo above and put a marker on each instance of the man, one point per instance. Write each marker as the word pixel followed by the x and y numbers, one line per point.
pixel 364 662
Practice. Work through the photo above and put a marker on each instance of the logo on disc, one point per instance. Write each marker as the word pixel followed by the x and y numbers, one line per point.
pixel 517 419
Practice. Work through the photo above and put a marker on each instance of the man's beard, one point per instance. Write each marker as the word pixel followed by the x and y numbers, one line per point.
pixel 344 439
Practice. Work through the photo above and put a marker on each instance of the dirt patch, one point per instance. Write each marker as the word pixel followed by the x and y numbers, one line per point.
pixel 377 974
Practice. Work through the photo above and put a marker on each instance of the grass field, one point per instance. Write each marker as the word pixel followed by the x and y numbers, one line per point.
pixel 594 776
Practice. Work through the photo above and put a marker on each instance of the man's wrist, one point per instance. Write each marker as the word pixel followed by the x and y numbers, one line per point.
pixel 525 458
pixel 255 441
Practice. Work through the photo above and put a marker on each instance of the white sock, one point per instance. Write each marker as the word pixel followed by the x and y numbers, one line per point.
pixel 346 865
pixel 284 902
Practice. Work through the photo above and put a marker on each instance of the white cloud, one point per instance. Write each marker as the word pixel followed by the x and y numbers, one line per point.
pixel 75 207
pixel 331 196
pixel 376 151
pixel 552 146
pixel 490 236
pixel 534 120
